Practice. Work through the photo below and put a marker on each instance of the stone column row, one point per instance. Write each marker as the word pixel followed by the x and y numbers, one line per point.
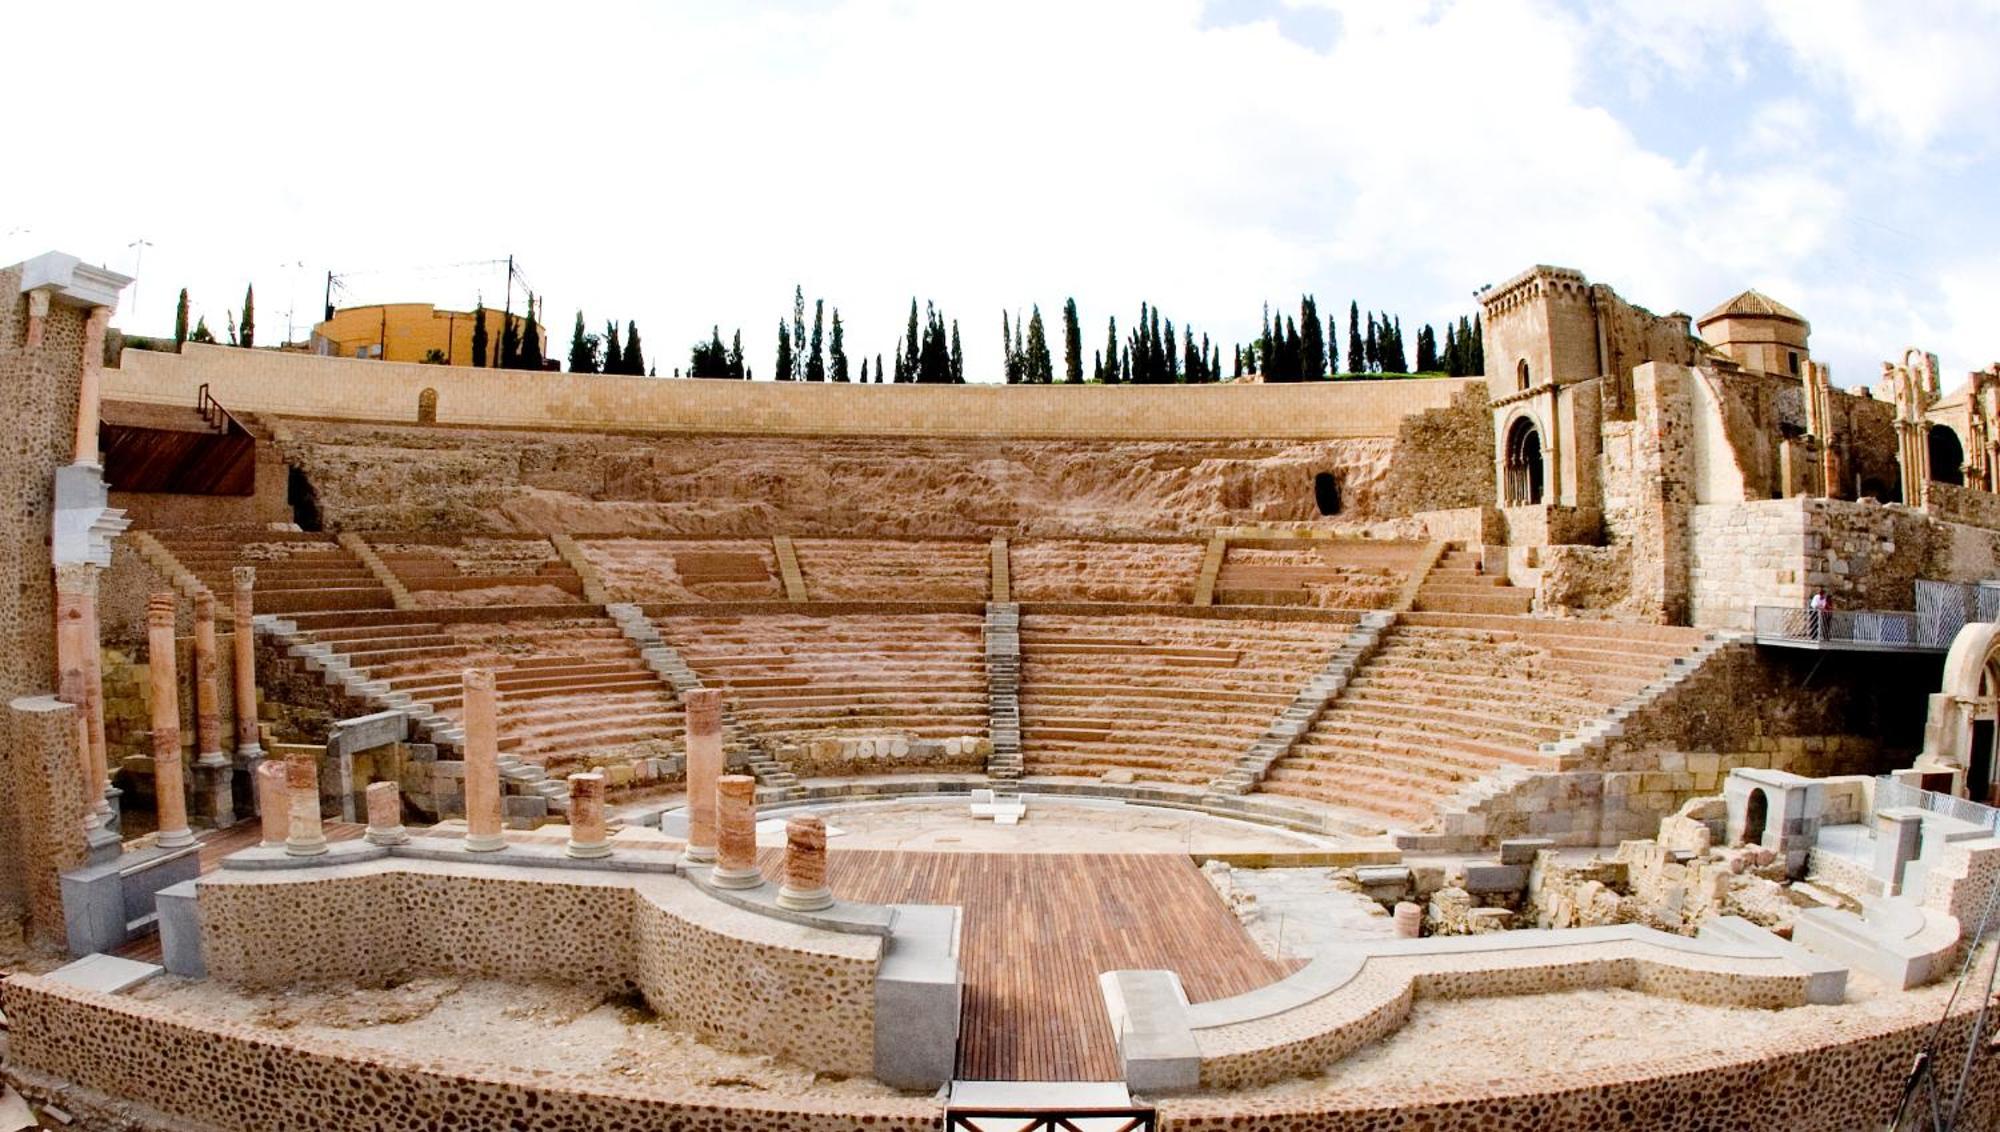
pixel 169 784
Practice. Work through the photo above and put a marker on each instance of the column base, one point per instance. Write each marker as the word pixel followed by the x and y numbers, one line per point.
pixel 698 855
pixel 304 848
pixel 395 835
pixel 174 838
pixel 485 842
pixel 588 852
pixel 805 900
pixel 104 844
pixel 735 878
pixel 212 759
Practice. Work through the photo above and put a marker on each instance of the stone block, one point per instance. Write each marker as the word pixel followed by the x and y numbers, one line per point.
pixel 1522 850
pixel 1482 879
pixel 524 808
pixel 180 931
pixel 366 732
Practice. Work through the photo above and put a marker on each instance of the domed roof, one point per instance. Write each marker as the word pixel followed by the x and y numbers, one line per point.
pixel 1752 304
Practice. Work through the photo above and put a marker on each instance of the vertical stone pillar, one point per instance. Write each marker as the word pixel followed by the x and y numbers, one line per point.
pixel 70 691
pixel 805 887
pixel 304 836
pixel 169 787
pixel 1409 919
pixel 243 645
pixel 103 794
pixel 272 802
pixel 76 648
pixel 216 786
pixel 736 833
pixel 482 763
pixel 38 317
pixel 88 393
pixel 704 767
pixel 587 836
pixel 385 814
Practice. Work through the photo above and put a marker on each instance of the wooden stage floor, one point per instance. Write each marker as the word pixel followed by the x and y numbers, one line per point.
pixel 1038 929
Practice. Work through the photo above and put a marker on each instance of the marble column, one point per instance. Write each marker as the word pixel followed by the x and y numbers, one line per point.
pixel 704 767
pixel 736 833
pixel 243 675
pixel 272 802
pixel 169 786
pixel 385 814
pixel 805 887
pixel 216 784
pixel 69 690
pixel 1409 919
pixel 74 644
pixel 88 391
pixel 587 835
pixel 482 763
pixel 104 795
pixel 304 836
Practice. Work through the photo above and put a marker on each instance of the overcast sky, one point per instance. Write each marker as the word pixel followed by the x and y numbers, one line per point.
pixel 683 165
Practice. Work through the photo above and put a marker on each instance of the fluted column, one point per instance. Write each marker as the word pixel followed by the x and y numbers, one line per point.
pixel 704 767
pixel 385 814
pixel 273 802
pixel 587 835
pixel 482 764
pixel 805 887
pixel 736 833
pixel 304 835
pixel 243 645
pixel 169 786
pixel 216 785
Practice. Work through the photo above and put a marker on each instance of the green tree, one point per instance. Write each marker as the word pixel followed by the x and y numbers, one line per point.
pixel 201 333
pixel 1072 345
pixel 709 359
pixel 582 349
pixel 510 341
pixel 1427 350
pixel 798 332
pixel 1372 347
pixel 479 336
pixel 181 320
pixel 781 369
pixel 614 354
pixel 736 369
pixel 878 369
pixel 1012 370
pixel 1110 375
pixel 531 340
pixel 635 356
pixel 907 366
pixel 1476 360
pixel 957 357
pixel 1040 369
pixel 249 324
pixel 1357 349
pixel 1394 358
pixel 837 349
pixel 1312 345
pixel 864 371
pixel 816 361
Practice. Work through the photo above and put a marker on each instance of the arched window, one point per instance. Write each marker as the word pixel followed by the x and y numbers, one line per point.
pixel 1521 374
pixel 427 407
pixel 1326 493
pixel 1524 463
pixel 1947 456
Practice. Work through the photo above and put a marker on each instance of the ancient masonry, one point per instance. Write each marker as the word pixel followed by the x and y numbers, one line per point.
pixel 1003 694
pixel 1305 709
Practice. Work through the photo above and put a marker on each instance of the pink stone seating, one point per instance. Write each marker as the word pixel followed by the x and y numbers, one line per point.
pixel 654 569
pixel 297 572
pixel 1327 573
pixel 895 569
pixel 1454 586
pixel 1161 572
pixel 461 563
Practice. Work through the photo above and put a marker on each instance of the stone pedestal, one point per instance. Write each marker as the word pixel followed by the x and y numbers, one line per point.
pixel 482 764
pixel 169 783
pixel 1409 920
pixel 272 803
pixel 805 887
pixel 385 814
pixel 704 768
pixel 216 788
pixel 587 835
pixel 243 674
pixel 736 833
pixel 1898 837
pixel 304 836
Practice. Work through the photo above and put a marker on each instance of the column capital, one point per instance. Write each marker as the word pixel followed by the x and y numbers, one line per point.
pixel 160 611
pixel 204 604
pixel 245 578
pixel 78 578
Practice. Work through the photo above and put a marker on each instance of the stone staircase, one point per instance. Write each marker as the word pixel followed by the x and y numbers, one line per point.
pixel 1456 585
pixel 1305 708
pixel 586 571
pixel 156 555
pixel 365 554
pixel 1003 693
pixel 775 781
pixel 297 571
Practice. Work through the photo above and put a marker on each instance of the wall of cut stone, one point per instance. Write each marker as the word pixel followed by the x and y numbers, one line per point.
pixel 1443 459
pixel 1585 581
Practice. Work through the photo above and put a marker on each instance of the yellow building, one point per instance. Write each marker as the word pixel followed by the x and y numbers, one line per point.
pixel 408 332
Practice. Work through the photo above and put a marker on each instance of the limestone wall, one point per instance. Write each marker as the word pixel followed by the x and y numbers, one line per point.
pixel 262 381
pixel 1776 552
pixel 1443 458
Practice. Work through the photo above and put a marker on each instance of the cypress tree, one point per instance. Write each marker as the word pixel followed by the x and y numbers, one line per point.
pixel 1312 346
pixel 249 327
pixel 1171 373
pixel 510 342
pixel 1373 346
pixel 914 342
pixel 1394 359
pixel 1357 357
pixel 614 354
pixel 1020 347
pixel 709 359
pixel 1264 345
pixel 582 349
pixel 1237 353
pixel 864 370
pixel 781 370
pixel 816 361
pixel 531 341
pixel 1110 374
pixel 957 357
pixel 1427 350
pixel 181 320
pixel 1097 366
pixel 201 333
pixel 736 369
pixel 837 350
pixel 1040 370
pixel 1011 372
pixel 635 358
pixel 1072 345
pixel 878 369
pixel 1475 363
pixel 479 336
pixel 798 332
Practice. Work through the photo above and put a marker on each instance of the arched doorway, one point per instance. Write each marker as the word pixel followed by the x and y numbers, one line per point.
pixel 1947 456
pixel 1326 493
pixel 1756 813
pixel 1524 464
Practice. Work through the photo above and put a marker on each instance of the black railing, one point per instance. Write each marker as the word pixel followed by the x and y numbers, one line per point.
pixel 1050 1120
pixel 220 419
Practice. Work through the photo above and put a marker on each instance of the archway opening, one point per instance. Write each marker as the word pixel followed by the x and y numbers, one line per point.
pixel 1524 464
pixel 1947 456
pixel 1326 493
pixel 304 500
pixel 1521 374
pixel 1755 814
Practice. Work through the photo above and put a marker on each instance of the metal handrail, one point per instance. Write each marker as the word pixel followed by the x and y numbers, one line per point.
pixel 215 413
pixel 1891 792
pixel 1050 1120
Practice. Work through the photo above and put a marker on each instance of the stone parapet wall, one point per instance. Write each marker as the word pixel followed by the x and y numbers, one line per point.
pixel 261 381
pixel 1951 503
pixel 232 1076
pixel 793 991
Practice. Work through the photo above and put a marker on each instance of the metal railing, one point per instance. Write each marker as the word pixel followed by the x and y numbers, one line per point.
pixel 1050 1120
pixel 1887 630
pixel 1891 793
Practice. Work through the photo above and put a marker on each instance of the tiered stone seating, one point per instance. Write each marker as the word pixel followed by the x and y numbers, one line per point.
pixel 448 571
pixel 1454 585
pixel 1155 573
pixel 1169 698
pixel 1448 698
pixel 297 572
pixel 570 687
pixel 900 570
pixel 1328 573
pixel 796 676
pixel 643 570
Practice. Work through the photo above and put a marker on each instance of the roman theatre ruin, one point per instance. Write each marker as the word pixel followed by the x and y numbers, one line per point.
pixel 1607 741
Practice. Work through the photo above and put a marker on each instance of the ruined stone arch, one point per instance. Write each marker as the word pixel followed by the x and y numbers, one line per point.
pixel 427 407
pixel 1947 452
pixel 1526 463
pixel 1959 735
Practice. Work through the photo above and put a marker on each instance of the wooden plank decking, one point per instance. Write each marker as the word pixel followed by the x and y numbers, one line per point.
pixel 1038 930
